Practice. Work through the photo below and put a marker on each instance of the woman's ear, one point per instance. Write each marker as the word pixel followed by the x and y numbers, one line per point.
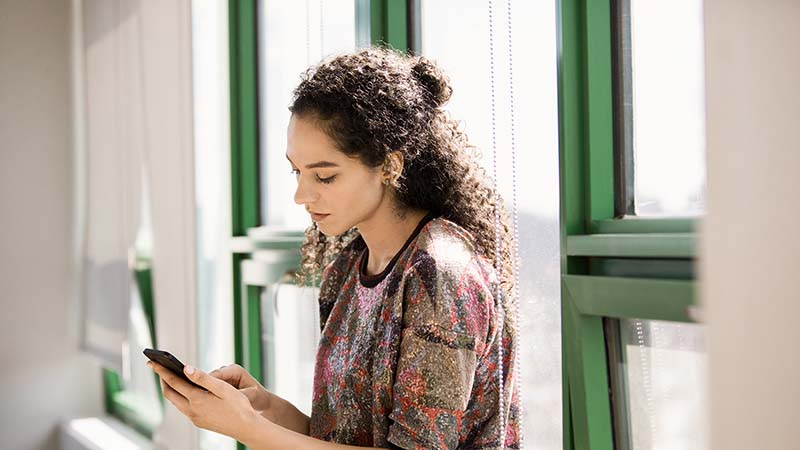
pixel 393 167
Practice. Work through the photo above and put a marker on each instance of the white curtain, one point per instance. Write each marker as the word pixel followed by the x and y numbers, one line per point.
pixel 110 177
pixel 136 76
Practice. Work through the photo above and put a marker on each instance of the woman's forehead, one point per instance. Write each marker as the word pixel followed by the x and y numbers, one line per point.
pixel 307 143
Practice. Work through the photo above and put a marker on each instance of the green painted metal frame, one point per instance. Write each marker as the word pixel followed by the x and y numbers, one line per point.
pixel 635 225
pixel 243 37
pixel 591 234
pixel 388 23
pixel 631 298
pixel 635 245
pixel 243 67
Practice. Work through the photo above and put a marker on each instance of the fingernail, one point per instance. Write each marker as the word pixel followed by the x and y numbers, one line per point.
pixel 189 370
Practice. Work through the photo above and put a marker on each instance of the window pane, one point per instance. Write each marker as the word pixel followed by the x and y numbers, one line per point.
pixel 665 367
pixel 460 44
pixel 292 35
pixel 667 111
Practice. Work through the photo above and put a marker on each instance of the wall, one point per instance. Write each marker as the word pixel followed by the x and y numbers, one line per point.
pixel 44 377
pixel 750 250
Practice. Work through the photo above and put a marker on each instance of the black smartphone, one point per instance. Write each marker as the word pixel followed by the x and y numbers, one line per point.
pixel 170 362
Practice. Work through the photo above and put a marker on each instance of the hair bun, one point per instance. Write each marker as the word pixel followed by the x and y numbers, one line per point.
pixel 433 80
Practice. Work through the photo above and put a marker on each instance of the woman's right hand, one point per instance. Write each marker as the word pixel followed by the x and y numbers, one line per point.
pixel 260 398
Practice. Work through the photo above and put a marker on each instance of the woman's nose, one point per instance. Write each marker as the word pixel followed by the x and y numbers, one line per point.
pixel 303 194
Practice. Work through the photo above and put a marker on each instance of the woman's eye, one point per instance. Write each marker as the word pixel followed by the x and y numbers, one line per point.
pixel 295 172
pixel 326 180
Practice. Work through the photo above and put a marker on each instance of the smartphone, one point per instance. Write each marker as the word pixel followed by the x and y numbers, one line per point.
pixel 170 362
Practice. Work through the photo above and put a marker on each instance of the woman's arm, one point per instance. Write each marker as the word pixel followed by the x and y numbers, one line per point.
pixel 264 435
pixel 288 416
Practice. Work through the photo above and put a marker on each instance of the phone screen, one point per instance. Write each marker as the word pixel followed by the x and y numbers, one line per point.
pixel 172 363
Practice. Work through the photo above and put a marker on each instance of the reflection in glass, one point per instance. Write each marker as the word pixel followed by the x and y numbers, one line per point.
pixel 668 110
pixel 461 47
pixel 292 35
pixel 665 367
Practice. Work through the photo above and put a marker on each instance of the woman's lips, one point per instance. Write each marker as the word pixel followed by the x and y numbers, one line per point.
pixel 318 217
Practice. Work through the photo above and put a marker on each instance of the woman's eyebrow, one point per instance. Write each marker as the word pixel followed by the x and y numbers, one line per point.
pixel 318 164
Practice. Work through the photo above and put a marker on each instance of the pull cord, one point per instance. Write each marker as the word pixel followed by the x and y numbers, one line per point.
pixel 515 370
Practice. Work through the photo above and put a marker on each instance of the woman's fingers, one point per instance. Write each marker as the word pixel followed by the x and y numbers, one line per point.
pixel 175 398
pixel 233 374
pixel 214 385
pixel 252 394
pixel 176 383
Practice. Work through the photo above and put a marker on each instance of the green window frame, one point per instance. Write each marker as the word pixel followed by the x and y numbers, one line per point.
pixel 612 266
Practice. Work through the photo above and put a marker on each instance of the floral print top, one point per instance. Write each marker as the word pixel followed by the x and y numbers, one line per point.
pixel 408 358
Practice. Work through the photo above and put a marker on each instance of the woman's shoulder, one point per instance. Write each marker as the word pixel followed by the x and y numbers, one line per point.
pixel 450 250
pixel 448 283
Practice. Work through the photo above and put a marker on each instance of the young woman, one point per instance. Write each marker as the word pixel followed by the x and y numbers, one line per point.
pixel 405 234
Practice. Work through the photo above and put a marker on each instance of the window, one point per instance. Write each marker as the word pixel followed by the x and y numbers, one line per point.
pixel 663 368
pixel 632 177
pixel 659 106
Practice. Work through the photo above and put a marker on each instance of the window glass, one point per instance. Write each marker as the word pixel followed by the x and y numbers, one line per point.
pixel 292 35
pixel 666 105
pixel 665 368
pixel 460 44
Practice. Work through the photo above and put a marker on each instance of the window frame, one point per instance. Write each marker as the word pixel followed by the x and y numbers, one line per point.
pixel 595 229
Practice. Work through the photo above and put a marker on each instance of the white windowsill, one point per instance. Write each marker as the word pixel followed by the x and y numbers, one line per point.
pixel 100 433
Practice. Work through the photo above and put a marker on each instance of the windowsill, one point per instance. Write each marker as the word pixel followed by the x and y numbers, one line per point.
pixel 100 433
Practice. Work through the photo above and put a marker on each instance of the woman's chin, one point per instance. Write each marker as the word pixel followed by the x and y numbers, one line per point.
pixel 327 230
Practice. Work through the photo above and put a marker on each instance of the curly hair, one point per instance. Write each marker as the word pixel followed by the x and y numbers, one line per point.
pixel 376 101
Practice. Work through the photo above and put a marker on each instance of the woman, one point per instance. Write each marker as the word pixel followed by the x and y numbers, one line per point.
pixel 406 236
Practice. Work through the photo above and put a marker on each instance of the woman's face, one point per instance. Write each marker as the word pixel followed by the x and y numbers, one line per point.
pixel 338 191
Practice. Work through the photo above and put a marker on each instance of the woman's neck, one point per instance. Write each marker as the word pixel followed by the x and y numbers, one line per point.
pixel 385 233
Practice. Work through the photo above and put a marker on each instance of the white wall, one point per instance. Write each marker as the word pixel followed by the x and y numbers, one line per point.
pixel 43 378
pixel 750 249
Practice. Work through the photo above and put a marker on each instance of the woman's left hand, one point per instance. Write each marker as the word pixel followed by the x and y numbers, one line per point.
pixel 222 409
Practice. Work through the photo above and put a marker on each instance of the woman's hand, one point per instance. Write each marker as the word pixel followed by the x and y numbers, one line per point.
pixel 267 404
pixel 222 409
pixel 263 401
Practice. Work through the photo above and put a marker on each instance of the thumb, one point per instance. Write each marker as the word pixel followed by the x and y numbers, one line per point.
pixel 211 384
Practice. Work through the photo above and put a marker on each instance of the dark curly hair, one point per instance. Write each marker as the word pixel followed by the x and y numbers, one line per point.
pixel 376 101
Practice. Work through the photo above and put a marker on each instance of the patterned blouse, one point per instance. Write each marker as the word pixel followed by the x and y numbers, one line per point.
pixel 408 357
